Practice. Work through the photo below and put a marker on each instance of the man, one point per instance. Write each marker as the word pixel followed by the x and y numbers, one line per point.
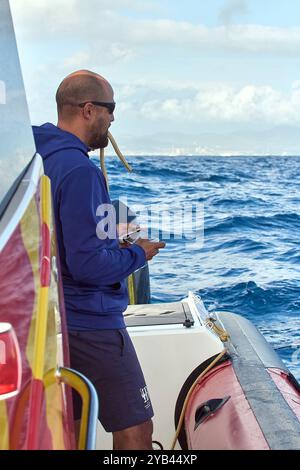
pixel 94 267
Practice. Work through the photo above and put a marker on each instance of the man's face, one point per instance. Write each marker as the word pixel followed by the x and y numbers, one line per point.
pixel 100 123
pixel 99 128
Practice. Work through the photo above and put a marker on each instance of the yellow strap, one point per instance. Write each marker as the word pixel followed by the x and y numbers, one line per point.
pixel 131 290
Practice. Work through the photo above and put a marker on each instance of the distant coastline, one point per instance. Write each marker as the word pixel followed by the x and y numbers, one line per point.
pixel 152 155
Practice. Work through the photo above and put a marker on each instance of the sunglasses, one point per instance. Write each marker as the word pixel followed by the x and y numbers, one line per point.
pixel 110 106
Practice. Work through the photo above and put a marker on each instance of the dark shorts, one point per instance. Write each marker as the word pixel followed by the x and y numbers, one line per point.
pixel 109 360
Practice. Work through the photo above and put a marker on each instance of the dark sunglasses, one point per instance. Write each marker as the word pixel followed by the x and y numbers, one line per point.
pixel 110 106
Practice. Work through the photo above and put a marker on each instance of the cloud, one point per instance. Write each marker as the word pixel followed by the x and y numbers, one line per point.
pixel 77 61
pixel 116 38
pixel 99 25
pixel 72 16
pixel 188 104
pixel 104 53
pixel 222 103
pixel 231 9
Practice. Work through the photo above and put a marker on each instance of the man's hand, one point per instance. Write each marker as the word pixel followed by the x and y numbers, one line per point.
pixel 151 248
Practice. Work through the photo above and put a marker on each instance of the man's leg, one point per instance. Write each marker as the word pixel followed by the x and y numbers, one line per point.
pixel 109 360
pixel 135 438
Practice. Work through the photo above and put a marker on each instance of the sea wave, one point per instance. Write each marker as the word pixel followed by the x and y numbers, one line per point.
pixel 248 261
pixel 262 223
pixel 252 300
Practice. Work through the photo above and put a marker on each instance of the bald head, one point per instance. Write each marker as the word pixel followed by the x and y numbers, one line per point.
pixel 79 87
pixel 91 120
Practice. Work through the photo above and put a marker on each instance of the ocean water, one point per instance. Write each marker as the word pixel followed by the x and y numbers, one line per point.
pixel 240 250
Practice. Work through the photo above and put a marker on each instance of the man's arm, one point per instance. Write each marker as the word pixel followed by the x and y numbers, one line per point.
pixel 89 259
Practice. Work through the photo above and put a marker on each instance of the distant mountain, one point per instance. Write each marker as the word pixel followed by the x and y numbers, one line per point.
pixel 279 140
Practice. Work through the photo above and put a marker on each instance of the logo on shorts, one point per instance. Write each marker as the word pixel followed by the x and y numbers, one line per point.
pixel 145 397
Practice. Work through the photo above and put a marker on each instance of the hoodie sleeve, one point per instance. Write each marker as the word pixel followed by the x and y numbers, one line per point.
pixel 90 259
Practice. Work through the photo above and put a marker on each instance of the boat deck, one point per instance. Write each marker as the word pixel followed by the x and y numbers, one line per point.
pixel 174 313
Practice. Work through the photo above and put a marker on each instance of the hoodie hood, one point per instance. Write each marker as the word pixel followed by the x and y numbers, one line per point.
pixel 50 139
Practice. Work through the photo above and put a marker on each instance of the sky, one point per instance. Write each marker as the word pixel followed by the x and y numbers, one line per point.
pixel 190 77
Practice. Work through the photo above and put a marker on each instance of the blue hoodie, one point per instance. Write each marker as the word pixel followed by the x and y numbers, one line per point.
pixel 93 269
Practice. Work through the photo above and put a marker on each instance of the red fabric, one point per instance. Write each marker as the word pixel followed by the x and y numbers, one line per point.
pixel 16 307
pixel 287 389
pixel 233 426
